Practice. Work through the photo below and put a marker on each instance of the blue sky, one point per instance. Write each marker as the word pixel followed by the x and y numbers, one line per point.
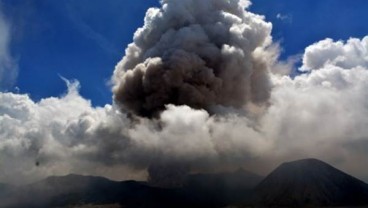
pixel 85 39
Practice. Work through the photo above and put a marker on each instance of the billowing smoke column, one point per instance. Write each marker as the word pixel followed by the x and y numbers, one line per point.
pixel 196 53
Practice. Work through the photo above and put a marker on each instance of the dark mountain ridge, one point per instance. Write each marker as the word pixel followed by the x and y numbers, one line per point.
pixel 199 190
pixel 310 182
pixel 220 189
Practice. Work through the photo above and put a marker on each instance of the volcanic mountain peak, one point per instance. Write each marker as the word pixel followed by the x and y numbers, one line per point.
pixel 311 182
pixel 306 164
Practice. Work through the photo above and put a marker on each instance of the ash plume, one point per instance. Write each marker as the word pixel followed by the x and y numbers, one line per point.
pixel 195 53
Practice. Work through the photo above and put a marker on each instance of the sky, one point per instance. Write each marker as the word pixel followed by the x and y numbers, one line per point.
pixel 85 39
pixel 122 89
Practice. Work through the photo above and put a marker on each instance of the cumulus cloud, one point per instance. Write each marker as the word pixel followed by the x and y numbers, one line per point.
pixel 34 133
pixel 322 113
pixel 8 67
pixel 66 134
pixel 347 55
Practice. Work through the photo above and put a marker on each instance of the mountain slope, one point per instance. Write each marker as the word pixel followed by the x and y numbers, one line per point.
pixel 200 190
pixel 310 182
pixel 222 188
pixel 79 190
pixel 307 182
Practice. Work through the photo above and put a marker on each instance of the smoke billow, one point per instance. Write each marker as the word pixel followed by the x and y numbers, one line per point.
pixel 201 54
pixel 195 53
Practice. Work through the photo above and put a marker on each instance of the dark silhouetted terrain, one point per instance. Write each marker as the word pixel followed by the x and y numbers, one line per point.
pixel 222 188
pixel 80 190
pixel 201 190
pixel 309 182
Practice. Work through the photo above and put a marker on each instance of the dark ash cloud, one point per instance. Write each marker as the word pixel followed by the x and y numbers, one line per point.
pixel 195 53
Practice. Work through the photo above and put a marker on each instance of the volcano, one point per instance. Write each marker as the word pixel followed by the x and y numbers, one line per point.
pixel 310 182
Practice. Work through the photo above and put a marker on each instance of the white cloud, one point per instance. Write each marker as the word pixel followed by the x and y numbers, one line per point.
pixel 324 113
pixel 347 55
pixel 56 136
